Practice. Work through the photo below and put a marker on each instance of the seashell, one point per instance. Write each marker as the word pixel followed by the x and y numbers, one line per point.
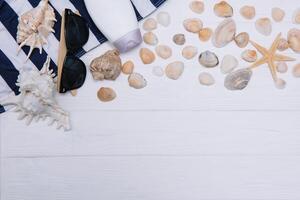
pixel 242 39
pixel 179 39
pixel 193 25
pixel 150 38
pixel 163 18
pixel 238 80
pixel 106 94
pixel 128 67
pixel 281 67
pixel 174 70
pixel 296 16
pixel 137 81
pixel 223 9
pixel 294 39
pixel 278 14
pixel 35 26
pixel 189 52
pixel 248 12
pixel 296 70
pixel 228 64
pixel 147 56
pixel 163 51
pixel 283 45
pixel 280 84
pixel 107 66
pixel 208 59
pixel 197 7
pixel 157 71
pixel 264 26
pixel 150 24
pixel 206 79
pixel 224 33
pixel 37 97
pixel 205 34
pixel 249 55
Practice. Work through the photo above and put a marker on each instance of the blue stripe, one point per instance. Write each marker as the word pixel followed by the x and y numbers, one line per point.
pixel 157 3
pixel 2 110
pixel 138 15
pixel 8 72
pixel 9 19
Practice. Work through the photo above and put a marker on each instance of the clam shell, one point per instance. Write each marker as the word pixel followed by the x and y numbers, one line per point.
pixel 278 14
pixel 281 67
pixel 128 67
pixel 206 79
pixel 283 45
pixel 223 9
pixel 280 84
pixel 208 59
pixel 197 7
pixel 228 64
pixel 150 38
pixel 147 56
pixel 193 25
pixel 224 33
pixel 296 70
pixel 179 39
pixel 189 52
pixel 174 70
pixel 294 39
pixel 248 12
pixel 158 71
pixel 238 80
pixel 205 34
pixel 150 24
pixel 249 55
pixel 106 94
pixel 264 26
pixel 163 51
pixel 242 39
pixel 163 18
pixel 137 81
pixel 296 16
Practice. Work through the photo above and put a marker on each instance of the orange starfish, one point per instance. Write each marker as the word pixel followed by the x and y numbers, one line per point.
pixel 269 57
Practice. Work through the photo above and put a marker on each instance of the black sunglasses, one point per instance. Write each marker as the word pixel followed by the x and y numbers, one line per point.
pixel 76 35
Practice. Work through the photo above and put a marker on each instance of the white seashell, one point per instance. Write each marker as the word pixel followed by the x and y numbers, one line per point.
pixel 163 18
pixel 137 81
pixel 294 39
pixel 228 64
pixel 163 51
pixel 193 25
pixel 150 38
pixel 281 67
pixel 278 14
pixel 296 70
pixel 35 26
pixel 264 26
pixel 106 94
pixel 189 52
pixel 205 34
pixel 283 45
pixel 197 6
pixel 147 56
pixel 238 80
pixel 150 24
pixel 280 84
pixel 242 39
pixel 249 55
pixel 158 71
pixel 208 59
pixel 179 39
pixel 128 67
pixel 223 9
pixel 174 70
pixel 296 16
pixel 248 12
pixel 224 33
pixel 206 79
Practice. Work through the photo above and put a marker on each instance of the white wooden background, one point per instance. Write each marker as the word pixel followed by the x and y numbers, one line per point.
pixel 172 140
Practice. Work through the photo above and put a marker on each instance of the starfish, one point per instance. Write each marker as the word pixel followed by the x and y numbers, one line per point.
pixel 269 57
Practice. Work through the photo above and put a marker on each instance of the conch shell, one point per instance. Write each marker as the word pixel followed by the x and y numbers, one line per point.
pixel 35 26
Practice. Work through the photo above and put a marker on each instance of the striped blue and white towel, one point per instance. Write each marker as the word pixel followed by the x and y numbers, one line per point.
pixel 11 63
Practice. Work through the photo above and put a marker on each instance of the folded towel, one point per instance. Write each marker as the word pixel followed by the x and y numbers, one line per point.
pixel 11 63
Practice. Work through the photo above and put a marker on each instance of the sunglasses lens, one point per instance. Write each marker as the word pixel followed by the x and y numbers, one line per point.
pixel 73 74
pixel 76 31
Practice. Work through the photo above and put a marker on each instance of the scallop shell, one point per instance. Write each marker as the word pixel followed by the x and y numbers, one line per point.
pixel 278 14
pixel 296 16
pixel 174 70
pixel 189 52
pixel 280 84
pixel 281 67
pixel 223 9
pixel 150 24
pixel 228 64
pixel 296 70
pixel 224 33
pixel 157 71
pixel 205 34
pixel 179 39
pixel 206 79
pixel 137 81
pixel 249 55
pixel 197 6
pixel 264 26
pixel 106 94
pixel 163 18
pixel 150 38
pixel 147 56
pixel 294 39
pixel 238 80
pixel 283 45
pixel 128 67
pixel 242 39
pixel 248 12
pixel 208 59
pixel 163 51
pixel 193 25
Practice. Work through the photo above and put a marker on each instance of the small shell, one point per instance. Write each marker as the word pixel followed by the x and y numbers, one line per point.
pixel 280 84
pixel 128 67
pixel 208 59
pixel 238 80
pixel 137 81
pixel 242 39
pixel 158 71
pixel 179 39
pixel 264 26
pixel 106 94
pixel 206 79
pixel 228 64
pixel 205 34
pixel 163 18
pixel 249 55
pixel 296 16
pixel 281 67
pixel 147 56
pixel 224 33
pixel 283 45
pixel 163 51
pixel 150 24
pixel 223 9
pixel 174 70
pixel 278 14
pixel 150 38
pixel 189 52
pixel 294 39
pixel 197 6
pixel 193 25
pixel 296 70
pixel 248 12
